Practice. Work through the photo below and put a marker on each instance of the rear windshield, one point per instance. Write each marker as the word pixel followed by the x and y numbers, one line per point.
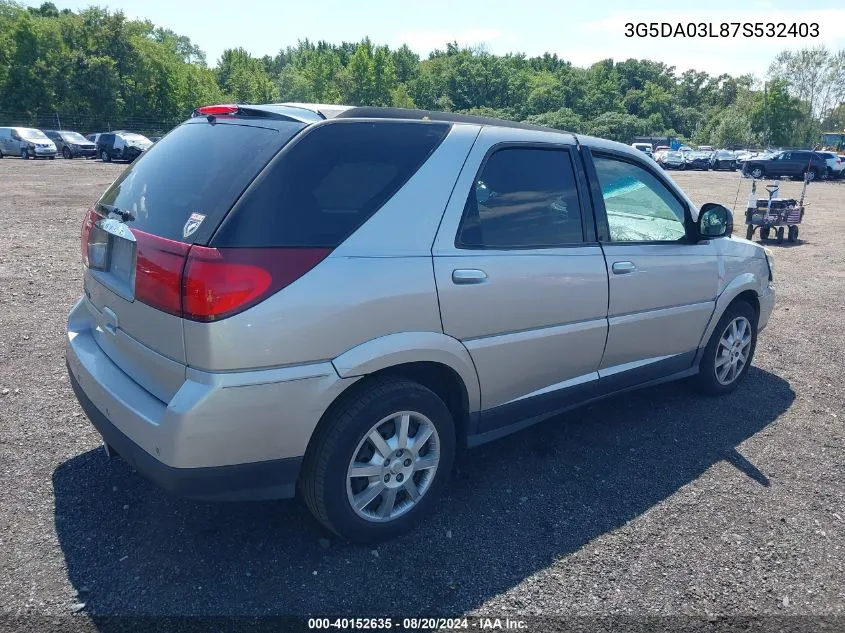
pixel 335 177
pixel 183 186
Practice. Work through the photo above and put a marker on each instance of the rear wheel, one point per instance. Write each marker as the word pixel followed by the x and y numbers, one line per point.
pixel 780 235
pixel 729 351
pixel 756 172
pixel 811 175
pixel 104 156
pixel 749 232
pixel 379 461
pixel 66 153
pixel 793 233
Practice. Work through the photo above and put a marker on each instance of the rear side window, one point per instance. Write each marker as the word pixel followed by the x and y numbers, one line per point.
pixel 523 198
pixel 334 178
pixel 185 184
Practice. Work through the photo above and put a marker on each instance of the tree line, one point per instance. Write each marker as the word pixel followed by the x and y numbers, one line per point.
pixel 98 66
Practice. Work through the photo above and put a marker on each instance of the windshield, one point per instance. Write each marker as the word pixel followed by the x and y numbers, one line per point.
pixel 33 135
pixel 74 137
pixel 198 170
pixel 673 154
pixel 136 137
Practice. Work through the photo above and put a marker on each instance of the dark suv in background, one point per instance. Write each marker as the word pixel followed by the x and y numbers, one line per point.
pixel 792 163
pixel 71 144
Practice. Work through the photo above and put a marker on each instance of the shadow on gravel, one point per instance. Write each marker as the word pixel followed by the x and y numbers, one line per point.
pixel 513 508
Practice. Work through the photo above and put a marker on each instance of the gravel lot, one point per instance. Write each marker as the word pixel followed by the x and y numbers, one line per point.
pixel 656 503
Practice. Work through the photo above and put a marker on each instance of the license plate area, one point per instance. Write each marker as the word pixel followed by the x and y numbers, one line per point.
pixel 114 259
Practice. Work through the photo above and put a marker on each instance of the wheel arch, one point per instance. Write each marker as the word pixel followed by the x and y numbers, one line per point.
pixel 436 361
pixel 745 288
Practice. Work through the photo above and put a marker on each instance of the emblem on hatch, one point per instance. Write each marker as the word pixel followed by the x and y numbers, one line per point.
pixel 192 224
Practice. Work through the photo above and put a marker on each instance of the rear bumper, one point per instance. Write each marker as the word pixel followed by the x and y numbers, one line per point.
pixel 273 479
pixel 232 435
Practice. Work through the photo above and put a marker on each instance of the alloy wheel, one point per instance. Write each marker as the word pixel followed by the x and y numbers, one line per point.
pixel 393 466
pixel 733 350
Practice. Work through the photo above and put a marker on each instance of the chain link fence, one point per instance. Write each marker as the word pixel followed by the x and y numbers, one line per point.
pixel 85 123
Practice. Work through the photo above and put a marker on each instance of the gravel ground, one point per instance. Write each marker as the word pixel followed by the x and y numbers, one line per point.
pixel 660 503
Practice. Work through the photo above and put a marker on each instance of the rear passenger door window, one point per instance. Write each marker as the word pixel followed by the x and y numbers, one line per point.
pixel 523 198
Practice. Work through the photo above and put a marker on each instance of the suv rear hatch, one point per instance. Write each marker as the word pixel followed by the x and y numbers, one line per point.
pixel 142 242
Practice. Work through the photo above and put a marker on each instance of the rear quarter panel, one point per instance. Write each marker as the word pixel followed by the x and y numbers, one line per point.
pixel 379 282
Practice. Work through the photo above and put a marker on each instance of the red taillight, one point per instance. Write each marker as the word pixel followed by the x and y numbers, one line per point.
pixel 209 284
pixel 158 271
pixel 221 282
pixel 216 110
pixel 87 224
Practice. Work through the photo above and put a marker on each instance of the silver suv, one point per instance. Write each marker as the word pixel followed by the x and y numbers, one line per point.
pixel 336 300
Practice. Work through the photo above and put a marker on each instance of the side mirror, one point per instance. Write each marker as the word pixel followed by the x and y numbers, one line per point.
pixel 715 220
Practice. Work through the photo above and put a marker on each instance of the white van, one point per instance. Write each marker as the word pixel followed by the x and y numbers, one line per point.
pixel 646 148
pixel 25 142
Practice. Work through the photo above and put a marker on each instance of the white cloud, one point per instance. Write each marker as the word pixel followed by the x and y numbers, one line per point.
pixel 425 41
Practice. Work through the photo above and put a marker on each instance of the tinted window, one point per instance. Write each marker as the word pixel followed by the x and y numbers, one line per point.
pixel 523 198
pixel 329 183
pixel 198 168
pixel 640 208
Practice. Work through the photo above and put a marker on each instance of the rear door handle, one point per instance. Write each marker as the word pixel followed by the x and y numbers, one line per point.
pixel 623 268
pixel 468 276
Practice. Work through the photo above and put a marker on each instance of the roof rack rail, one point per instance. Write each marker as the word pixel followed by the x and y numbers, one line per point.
pixel 368 112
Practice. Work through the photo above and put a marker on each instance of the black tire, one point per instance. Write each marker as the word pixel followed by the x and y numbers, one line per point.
pixel 780 235
pixel 104 156
pixel 25 154
pixel 705 381
pixel 765 232
pixel 67 153
pixel 1 154
pixel 793 233
pixel 757 172
pixel 749 232
pixel 323 482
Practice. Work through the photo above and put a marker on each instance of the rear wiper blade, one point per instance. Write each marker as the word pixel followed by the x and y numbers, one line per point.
pixel 124 214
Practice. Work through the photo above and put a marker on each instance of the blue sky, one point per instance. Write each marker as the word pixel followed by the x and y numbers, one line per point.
pixel 581 32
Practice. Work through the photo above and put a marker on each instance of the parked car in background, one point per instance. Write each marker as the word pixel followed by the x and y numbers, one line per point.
pixel 646 148
pixel 25 142
pixel 834 165
pixel 205 352
pixel 671 160
pixel 723 159
pixel 792 164
pixel 121 146
pixel 697 160
pixel 72 144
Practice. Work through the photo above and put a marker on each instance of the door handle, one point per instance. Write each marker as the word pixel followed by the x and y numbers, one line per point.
pixel 468 276
pixel 623 268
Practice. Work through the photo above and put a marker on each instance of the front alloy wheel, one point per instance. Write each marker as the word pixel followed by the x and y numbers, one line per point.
pixel 732 352
pixel 757 173
pixel 729 352
pixel 393 466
